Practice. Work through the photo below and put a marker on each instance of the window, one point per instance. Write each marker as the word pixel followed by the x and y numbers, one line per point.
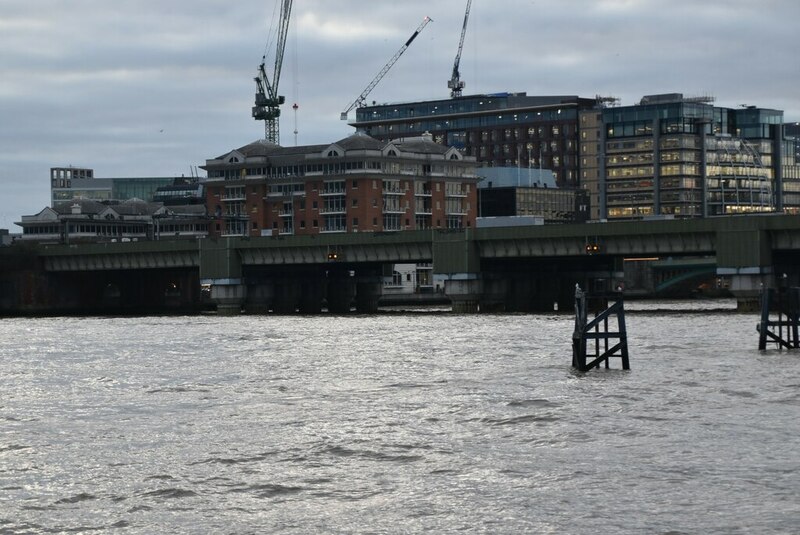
pixel 315 224
pixel 355 203
pixel 355 222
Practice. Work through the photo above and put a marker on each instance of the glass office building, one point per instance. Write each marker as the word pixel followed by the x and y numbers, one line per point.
pixel 671 156
pixel 67 183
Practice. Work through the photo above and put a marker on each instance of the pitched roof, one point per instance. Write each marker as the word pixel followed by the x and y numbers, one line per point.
pixel 360 141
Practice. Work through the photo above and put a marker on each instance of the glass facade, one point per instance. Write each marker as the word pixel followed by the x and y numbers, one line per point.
pixel 68 183
pixel 676 157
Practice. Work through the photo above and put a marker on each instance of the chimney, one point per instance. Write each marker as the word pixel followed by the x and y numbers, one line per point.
pixel 76 209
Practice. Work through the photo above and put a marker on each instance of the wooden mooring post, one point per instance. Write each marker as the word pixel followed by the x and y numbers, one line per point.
pixel 780 310
pixel 592 339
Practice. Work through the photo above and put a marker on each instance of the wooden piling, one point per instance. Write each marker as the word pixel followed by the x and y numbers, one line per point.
pixel 780 316
pixel 592 339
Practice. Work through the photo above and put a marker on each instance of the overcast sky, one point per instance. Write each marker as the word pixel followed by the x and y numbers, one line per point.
pixel 154 87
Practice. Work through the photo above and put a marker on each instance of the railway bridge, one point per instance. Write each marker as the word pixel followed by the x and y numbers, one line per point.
pixel 512 268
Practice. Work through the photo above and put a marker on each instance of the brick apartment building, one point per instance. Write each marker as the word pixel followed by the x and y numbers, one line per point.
pixel 358 184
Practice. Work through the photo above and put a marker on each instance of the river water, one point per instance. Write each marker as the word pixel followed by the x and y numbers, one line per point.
pixel 395 423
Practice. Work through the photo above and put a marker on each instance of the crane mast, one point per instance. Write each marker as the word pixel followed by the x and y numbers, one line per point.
pixel 363 96
pixel 268 102
pixel 455 84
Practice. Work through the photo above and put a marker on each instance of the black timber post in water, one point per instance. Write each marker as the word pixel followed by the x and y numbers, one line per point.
pixel 591 339
pixel 780 310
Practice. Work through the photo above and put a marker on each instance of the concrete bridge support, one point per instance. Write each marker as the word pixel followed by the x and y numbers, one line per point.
pixel 229 297
pixel 464 293
pixel 746 288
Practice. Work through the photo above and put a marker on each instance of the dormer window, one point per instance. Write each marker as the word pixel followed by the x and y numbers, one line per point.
pixel 391 152
pixel 454 156
pixel 333 154
pixel 233 159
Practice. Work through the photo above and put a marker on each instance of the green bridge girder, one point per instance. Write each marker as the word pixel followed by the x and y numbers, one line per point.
pixel 737 242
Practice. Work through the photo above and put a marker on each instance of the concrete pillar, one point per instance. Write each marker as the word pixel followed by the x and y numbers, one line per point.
pixel 747 290
pixel 229 298
pixel 465 294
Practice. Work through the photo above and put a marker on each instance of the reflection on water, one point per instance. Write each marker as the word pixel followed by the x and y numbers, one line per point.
pixel 394 423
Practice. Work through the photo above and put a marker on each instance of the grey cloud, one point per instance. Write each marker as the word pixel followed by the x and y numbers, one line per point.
pixel 91 82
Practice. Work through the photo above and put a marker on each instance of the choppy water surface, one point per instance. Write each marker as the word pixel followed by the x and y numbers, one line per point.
pixel 394 424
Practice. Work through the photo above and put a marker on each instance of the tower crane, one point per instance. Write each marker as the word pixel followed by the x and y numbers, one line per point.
pixel 455 84
pixel 363 96
pixel 268 102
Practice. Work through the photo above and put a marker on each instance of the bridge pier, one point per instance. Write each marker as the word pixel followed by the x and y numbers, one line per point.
pixel 464 292
pixel 229 296
pixel 747 288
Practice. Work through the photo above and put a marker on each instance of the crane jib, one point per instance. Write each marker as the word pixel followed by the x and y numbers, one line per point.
pixel 412 38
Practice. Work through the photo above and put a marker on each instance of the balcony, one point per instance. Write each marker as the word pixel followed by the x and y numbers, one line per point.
pixel 286 213
pixel 393 209
pixel 394 191
pixel 332 192
pixel 342 209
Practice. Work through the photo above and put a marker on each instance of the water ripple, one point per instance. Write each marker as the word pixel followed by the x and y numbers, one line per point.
pixel 397 423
